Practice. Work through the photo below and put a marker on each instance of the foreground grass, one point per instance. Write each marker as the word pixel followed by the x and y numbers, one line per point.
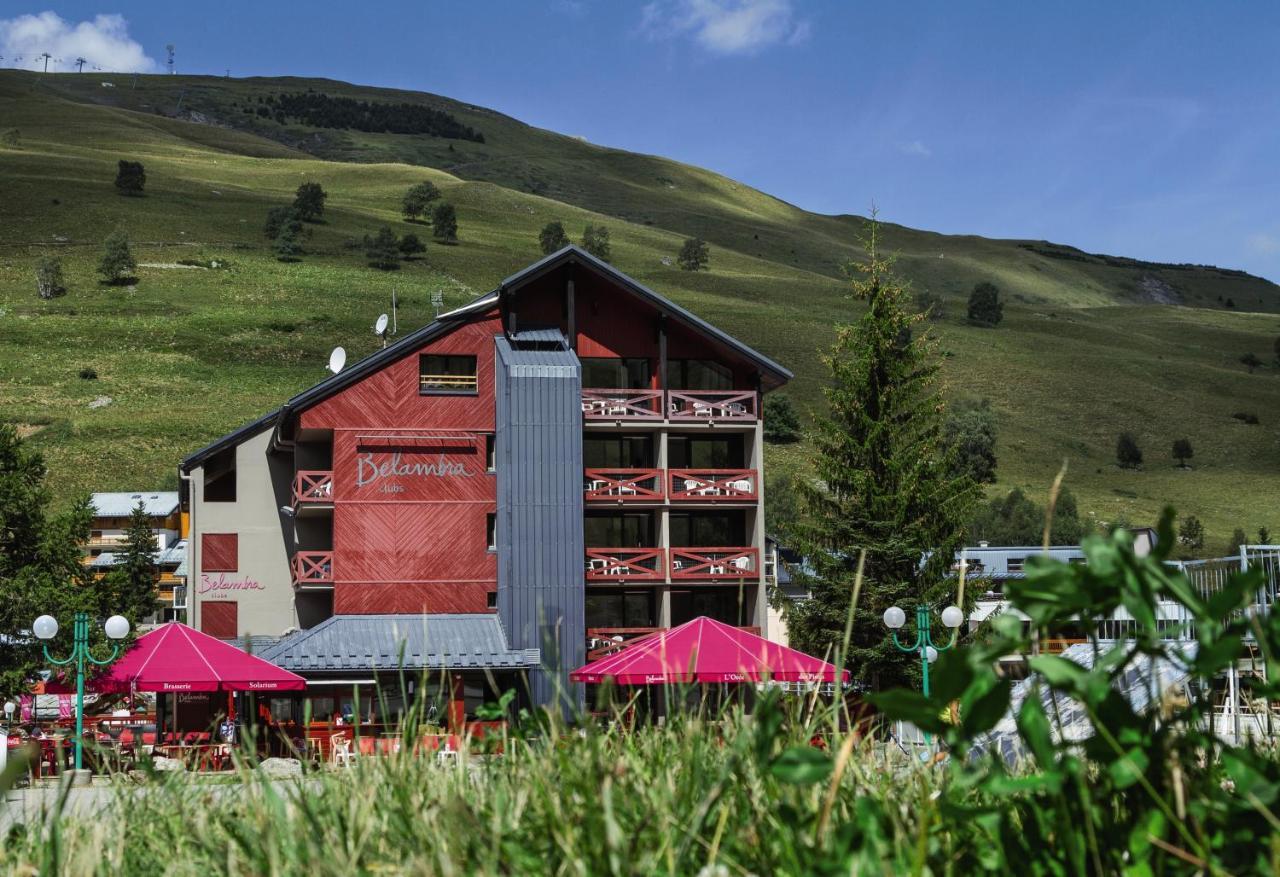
pixel 696 796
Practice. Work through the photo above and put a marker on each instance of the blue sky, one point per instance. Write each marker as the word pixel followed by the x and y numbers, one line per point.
pixel 1148 129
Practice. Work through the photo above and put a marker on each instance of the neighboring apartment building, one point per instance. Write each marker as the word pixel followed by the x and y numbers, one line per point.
pixel 109 533
pixel 572 453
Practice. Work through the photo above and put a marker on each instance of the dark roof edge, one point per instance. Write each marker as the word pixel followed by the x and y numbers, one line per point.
pixel 231 439
pixel 574 253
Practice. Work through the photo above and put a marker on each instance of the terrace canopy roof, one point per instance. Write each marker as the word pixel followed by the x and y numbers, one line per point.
pixel 174 657
pixel 705 650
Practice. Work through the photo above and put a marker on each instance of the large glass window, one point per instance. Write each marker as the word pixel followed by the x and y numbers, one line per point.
pixel 443 374
pixel 705 452
pixel 613 530
pixel 726 605
pixel 620 609
pixel 617 451
pixel 632 373
pixel 698 374
pixel 710 529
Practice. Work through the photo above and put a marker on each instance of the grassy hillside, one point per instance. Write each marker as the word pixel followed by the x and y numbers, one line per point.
pixel 190 352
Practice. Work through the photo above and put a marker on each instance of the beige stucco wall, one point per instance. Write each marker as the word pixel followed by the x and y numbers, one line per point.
pixel 267 606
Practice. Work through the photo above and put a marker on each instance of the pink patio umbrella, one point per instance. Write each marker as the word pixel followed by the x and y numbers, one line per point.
pixel 174 657
pixel 704 650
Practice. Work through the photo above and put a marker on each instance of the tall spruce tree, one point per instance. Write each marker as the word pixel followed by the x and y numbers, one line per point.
pixel 41 568
pixel 883 481
pixel 133 582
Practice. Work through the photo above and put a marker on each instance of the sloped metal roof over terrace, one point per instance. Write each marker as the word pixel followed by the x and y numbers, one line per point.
pixel 390 642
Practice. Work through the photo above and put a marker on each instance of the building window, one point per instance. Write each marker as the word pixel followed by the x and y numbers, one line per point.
pixel 219 552
pixel 491 599
pixel 491 452
pixel 491 531
pixel 220 477
pixel 441 374
pixel 632 373
pixel 698 374
pixel 626 451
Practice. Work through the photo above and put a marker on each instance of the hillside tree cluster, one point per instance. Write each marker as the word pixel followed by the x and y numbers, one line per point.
pixel 319 110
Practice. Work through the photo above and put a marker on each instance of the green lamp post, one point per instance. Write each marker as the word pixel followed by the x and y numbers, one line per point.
pixel 952 617
pixel 46 628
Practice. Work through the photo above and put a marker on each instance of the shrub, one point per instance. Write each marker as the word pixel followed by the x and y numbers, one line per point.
pixel 417 199
pixel 595 240
pixel 985 307
pixel 1238 538
pixel 552 237
pixel 781 425
pixel 130 178
pixel 969 435
pixel 932 306
pixel 410 246
pixel 49 280
pixel 1191 534
pixel 117 263
pixel 277 217
pixel 10 137
pixel 288 243
pixel 694 255
pixel 1246 417
pixel 1250 361
pixel 383 250
pixel 88 374
pixel 309 201
pixel 1128 454
pixel 1182 451
pixel 444 223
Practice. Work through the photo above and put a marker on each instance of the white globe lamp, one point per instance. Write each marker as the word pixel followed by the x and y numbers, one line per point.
pixel 952 616
pixel 117 627
pixel 930 654
pixel 894 618
pixel 45 627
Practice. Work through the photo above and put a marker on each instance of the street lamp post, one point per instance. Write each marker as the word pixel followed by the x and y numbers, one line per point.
pixel 46 628
pixel 952 617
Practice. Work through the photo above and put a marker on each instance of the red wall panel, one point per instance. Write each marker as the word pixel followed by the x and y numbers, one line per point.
pixel 220 619
pixel 219 552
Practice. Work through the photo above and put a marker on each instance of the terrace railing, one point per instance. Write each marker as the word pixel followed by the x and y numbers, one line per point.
pixel 695 564
pixel 712 405
pixel 312 487
pixel 623 485
pixel 311 568
pixel 713 485
pixel 605 404
pixel 604 641
pixel 626 564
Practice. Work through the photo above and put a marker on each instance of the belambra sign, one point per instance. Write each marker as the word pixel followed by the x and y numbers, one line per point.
pixel 370 469
pixel 212 584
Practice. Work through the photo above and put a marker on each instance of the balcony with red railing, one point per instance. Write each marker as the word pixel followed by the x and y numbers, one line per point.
pixel 312 569
pixel 623 485
pixel 713 485
pixel 701 564
pixel 626 564
pixel 604 641
pixel 312 489
pixel 606 404
pixel 713 406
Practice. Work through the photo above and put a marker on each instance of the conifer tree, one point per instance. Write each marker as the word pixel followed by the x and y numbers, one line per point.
pixel 133 581
pixel 883 482
pixel 41 569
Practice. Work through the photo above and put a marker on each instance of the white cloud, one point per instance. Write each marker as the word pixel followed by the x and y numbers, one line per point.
pixel 103 42
pixel 726 27
pixel 915 147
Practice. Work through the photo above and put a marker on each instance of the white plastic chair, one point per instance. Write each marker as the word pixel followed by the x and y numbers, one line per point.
pixel 742 563
pixel 340 751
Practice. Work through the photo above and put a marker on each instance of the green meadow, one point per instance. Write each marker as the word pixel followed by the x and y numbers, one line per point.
pixel 187 353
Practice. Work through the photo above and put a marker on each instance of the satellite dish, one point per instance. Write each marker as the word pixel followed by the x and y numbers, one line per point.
pixel 337 360
pixel 380 327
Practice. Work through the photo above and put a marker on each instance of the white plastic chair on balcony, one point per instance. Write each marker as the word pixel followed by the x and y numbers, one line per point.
pixel 709 489
pixel 742 563
pixel 340 751
pixel 447 754
pixel 703 409
pixel 617 407
pixel 742 485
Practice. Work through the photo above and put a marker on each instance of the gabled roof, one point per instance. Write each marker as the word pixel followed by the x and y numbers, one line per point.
pixel 388 642
pixel 448 321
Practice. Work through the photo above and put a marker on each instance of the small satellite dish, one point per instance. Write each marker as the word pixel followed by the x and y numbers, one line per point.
pixel 337 360
pixel 380 327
